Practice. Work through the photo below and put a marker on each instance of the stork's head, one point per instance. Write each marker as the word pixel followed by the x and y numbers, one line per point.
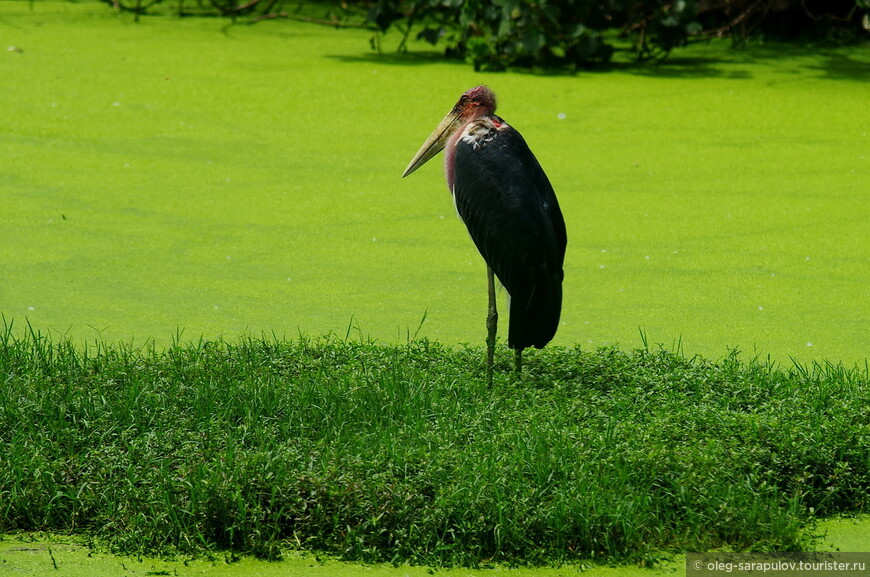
pixel 475 103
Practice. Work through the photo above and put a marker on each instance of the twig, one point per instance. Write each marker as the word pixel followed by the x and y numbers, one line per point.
pixel 827 16
pixel 332 23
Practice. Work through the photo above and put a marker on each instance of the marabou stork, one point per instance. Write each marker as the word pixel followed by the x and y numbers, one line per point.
pixel 506 201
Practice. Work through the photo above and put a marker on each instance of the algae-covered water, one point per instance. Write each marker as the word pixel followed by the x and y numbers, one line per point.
pixel 46 556
pixel 186 175
pixel 49 556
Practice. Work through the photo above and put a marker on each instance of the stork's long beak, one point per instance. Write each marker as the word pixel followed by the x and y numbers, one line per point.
pixel 435 143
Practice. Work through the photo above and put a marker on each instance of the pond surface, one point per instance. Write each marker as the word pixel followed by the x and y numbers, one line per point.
pixel 179 175
pixel 56 556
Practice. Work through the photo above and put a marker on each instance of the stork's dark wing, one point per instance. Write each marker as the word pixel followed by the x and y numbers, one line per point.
pixel 512 214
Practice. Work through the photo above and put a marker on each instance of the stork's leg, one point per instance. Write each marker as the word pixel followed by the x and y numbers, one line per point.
pixel 491 326
pixel 518 360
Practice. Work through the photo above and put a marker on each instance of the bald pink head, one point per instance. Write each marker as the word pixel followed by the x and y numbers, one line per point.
pixel 474 104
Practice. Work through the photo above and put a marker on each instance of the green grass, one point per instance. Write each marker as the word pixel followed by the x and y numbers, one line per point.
pixel 400 453
pixel 183 173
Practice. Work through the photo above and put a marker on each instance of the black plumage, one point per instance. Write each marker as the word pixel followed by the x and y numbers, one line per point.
pixel 505 199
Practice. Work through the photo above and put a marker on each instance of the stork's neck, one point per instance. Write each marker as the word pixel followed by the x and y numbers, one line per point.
pixel 476 132
pixel 450 159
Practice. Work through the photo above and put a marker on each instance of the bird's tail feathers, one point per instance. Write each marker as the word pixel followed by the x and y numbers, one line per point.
pixel 535 318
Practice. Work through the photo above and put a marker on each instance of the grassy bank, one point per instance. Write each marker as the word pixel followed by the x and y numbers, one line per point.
pixel 399 453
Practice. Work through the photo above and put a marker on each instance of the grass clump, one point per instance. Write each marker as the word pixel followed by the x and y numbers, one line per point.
pixel 400 453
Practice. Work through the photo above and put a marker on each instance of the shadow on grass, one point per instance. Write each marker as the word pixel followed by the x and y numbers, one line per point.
pixel 833 63
pixel 422 58
pixel 677 67
pixel 841 66
pixel 687 67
